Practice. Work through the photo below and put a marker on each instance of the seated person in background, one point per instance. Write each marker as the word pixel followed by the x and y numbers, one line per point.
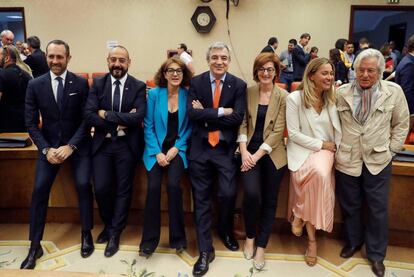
pixel 166 133
pixel 263 155
pixel 314 133
pixel 13 84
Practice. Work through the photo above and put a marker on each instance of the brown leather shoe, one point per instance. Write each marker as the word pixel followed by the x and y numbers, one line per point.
pixel 378 268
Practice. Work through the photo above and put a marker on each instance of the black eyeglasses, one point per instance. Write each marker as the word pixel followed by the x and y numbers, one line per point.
pixel 171 71
pixel 269 70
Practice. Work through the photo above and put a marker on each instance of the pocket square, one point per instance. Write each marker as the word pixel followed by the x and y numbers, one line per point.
pixel 74 93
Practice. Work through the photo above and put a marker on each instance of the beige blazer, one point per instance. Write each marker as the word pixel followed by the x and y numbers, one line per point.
pixel 274 123
pixel 384 131
pixel 300 123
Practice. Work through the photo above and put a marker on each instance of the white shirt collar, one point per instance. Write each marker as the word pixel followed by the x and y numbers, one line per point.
pixel 212 78
pixel 122 80
pixel 63 75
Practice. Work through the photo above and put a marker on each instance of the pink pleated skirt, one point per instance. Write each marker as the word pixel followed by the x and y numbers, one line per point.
pixel 312 191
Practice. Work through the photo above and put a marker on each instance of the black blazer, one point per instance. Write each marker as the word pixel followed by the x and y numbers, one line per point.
pixel 233 95
pixel 100 98
pixel 268 49
pixel 404 76
pixel 37 62
pixel 58 127
pixel 299 61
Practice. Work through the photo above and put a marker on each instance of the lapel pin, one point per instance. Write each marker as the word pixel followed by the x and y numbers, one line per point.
pixel 126 88
pixel 70 82
pixel 229 86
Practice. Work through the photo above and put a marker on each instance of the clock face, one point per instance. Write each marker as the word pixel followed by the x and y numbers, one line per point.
pixel 203 19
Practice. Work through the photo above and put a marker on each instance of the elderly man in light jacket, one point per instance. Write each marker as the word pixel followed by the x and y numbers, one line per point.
pixel 375 119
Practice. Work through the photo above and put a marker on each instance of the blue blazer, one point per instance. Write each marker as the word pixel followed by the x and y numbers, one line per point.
pixel 156 123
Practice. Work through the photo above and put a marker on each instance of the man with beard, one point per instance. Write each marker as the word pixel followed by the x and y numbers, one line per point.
pixel 286 76
pixel 59 96
pixel 116 108
pixel 13 84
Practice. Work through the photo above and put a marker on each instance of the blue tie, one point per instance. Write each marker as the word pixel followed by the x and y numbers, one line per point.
pixel 59 96
pixel 117 97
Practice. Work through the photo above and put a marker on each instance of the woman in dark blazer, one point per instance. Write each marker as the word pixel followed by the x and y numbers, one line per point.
pixel 166 132
pixel 263 155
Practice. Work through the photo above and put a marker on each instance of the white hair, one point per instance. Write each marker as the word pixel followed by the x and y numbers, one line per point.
pixel 5 32
pixel 371 53
pixel 217 45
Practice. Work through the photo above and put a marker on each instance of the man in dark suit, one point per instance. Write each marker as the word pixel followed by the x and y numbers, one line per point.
pixel 37 59
pixel 404 76
pixel 13 84
pixel 59 96
pixel 271 46
pixel 216 106
pixel 116 107
pixel 300 57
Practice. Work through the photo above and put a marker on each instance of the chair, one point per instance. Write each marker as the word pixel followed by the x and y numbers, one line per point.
pixel 98 74
pixel 150 84
pixel 84 75
pixel 294 86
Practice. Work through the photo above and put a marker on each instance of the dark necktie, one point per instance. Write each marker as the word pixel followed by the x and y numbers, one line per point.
pixel 59 96
pixel 117 97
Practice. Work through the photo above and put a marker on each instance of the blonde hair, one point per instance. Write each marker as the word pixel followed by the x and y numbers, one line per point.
pixel 308 86
pixel 23 66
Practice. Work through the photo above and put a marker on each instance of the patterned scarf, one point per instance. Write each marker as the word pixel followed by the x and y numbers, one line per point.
pixel 363 110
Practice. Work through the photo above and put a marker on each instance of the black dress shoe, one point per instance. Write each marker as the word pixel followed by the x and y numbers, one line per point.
pixel 30 261
pixel 201 266
pixel 145 252
pixel 87 244
pixel 230 242
pixel 378 268
pixel 103 236
pixel 349 251
pixel 112 247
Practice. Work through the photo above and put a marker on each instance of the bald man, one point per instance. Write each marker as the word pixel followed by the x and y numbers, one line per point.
pixel 7 37
pixel 116 107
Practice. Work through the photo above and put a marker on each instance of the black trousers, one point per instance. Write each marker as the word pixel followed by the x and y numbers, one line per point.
pixel 113 169
pixel 213 162
pixel 45 176
pixel 374 189
pixel 261 189
pixel 152 211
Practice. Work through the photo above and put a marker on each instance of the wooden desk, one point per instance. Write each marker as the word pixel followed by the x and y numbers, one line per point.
pixel 17 170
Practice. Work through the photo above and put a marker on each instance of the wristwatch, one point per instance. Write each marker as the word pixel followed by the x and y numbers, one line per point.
pixel 73 147
pixel 45 150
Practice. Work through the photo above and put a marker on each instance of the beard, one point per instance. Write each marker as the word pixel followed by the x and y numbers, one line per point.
pixel 118 72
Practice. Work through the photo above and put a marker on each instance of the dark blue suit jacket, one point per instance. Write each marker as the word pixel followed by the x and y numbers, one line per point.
pixel 100 98
pixel 58 127
pixel 404 76
pixel 37 62
pixel 233 95
pixel 299 60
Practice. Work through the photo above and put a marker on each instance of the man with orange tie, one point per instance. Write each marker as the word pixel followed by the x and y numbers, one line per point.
pixel 216 106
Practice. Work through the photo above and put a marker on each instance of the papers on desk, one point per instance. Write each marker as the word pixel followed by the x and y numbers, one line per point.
pixel 404 156
pixel 14 142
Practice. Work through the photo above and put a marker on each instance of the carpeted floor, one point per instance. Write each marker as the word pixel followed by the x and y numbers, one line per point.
pixel 284 256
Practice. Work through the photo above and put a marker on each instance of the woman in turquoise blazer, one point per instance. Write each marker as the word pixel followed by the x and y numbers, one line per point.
pixel 166 132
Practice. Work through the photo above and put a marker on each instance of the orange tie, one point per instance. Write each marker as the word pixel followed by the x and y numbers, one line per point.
pixel 214 137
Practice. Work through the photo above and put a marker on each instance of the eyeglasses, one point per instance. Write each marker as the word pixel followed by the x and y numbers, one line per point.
pixel 171 71
pixel 269 70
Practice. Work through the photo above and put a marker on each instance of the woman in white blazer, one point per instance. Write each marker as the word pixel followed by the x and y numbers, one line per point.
pixel 314 133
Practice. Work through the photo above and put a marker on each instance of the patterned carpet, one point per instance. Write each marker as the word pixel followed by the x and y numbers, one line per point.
pixel 166 263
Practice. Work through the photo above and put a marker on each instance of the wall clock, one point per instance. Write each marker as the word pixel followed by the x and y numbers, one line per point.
pixel 203 19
